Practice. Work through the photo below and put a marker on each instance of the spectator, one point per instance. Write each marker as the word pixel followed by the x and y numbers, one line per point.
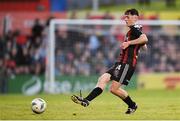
pixel 93 43
pixel 37 28
pixel 2 47
pixel 3 77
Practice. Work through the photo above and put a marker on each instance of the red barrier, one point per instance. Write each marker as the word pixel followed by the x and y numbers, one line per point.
pixel 25 20
pixel 24 5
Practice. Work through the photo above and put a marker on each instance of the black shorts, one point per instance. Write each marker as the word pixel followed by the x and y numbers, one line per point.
pixel 121 73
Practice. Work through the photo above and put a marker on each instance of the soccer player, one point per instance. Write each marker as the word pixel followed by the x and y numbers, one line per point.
pixel 121 72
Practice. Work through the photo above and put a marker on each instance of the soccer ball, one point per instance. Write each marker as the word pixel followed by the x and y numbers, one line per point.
pixel 38 105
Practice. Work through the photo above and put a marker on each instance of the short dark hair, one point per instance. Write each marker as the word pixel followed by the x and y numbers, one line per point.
pixel 132 11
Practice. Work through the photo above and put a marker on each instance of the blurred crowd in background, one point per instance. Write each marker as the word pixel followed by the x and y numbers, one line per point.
pixel 85 50
pixel 24 53
pixel 92 50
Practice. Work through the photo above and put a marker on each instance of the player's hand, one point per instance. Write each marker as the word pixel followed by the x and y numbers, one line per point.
pixel 144 47
pixel 125 44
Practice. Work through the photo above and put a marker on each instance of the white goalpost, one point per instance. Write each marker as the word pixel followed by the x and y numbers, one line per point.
pixel 50 64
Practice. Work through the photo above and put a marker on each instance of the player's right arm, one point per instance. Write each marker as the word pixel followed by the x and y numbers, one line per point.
pixel 141 40
pixel 141 37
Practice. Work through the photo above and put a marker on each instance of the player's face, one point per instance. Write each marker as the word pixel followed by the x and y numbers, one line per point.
pixel 130 19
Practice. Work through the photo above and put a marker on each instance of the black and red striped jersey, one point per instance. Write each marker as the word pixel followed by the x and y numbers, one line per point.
pixel 130 54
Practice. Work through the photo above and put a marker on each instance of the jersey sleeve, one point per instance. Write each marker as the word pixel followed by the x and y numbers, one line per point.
pixel 137 30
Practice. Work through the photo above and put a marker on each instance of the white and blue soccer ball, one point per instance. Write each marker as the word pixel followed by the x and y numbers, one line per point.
pixel 38 105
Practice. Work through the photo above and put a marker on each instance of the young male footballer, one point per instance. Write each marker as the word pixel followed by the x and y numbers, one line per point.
pixel 121 72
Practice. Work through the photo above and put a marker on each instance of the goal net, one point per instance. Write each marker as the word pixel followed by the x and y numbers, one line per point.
pixel 82 49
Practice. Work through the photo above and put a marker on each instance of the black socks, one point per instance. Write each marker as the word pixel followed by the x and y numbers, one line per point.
pixel 97 91
pixel 129 102
pixel 94 93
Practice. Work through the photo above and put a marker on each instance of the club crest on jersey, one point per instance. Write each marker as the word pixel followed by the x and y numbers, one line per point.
pixel 138 26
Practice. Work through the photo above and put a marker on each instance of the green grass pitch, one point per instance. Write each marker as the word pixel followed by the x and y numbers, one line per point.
pixel 153 104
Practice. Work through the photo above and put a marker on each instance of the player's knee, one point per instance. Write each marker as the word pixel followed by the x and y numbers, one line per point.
pixel 104 78
pixel 117 91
